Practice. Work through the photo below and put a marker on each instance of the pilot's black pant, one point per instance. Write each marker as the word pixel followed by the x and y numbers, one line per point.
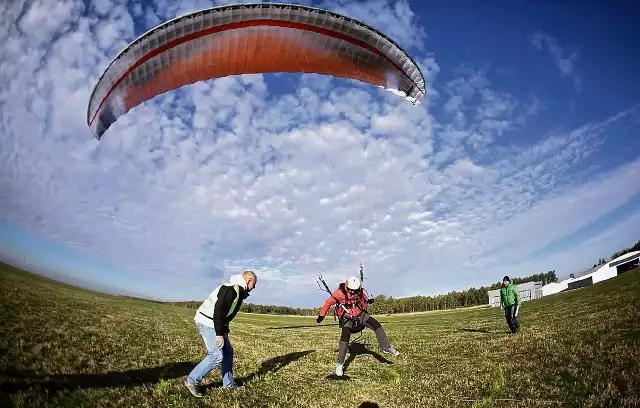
pixel 511 318
pixel 365 320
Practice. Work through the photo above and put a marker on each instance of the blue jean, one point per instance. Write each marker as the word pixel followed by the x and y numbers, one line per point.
pixel 214 356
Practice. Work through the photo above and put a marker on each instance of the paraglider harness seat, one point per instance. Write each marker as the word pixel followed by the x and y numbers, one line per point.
pixel 355 322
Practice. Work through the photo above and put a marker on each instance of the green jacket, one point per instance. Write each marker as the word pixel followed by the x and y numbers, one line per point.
pixel 509 295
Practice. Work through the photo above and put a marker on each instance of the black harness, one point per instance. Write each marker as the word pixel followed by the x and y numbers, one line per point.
pixel 355 323
pixel 350 304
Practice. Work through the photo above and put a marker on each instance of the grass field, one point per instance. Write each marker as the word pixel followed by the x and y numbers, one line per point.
pixel 67 347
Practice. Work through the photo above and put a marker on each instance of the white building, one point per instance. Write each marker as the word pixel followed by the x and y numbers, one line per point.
pixel 626 262
pixel 597 274
pixel 554 287
pixel 535 290
pixel 527 290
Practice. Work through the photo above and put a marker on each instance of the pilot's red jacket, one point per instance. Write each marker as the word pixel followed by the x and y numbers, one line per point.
pixel 354 303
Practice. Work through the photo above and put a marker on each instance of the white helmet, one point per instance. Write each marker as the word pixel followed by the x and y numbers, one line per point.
pixel 353 283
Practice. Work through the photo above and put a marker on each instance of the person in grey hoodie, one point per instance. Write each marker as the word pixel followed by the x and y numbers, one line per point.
pixel 212 321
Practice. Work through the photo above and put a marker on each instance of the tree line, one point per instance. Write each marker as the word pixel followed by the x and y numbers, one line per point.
pixel 389 305
pixel 470 297
pixel 255 308
pixel 635 247
pixel 602 261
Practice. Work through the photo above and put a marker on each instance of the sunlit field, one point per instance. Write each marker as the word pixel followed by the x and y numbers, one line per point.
pixel 62 346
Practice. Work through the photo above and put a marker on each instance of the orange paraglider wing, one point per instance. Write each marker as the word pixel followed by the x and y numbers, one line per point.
pixel 249 39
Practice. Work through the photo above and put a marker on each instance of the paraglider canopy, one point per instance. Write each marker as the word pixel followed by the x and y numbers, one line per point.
pixel 248 39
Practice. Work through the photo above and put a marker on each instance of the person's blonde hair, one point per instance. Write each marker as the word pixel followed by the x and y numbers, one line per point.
pixel 247 274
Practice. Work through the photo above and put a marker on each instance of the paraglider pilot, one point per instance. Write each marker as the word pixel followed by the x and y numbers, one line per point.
pixel 351 302
pixel 510 302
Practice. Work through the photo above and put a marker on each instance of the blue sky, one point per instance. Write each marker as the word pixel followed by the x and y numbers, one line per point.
pixel 522 158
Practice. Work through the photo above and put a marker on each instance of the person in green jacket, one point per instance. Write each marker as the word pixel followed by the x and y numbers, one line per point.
pixel 510 302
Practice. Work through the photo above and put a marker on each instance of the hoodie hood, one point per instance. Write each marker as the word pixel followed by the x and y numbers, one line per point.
pixel 238 280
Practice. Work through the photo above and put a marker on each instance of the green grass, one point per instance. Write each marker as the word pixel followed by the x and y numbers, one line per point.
pixel 67 347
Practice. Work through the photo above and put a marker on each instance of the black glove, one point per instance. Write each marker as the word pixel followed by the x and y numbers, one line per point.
pixel 319 319
pixel 370 300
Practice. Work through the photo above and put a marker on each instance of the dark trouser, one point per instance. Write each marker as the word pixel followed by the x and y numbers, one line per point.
pixel 354 326
pixel 512 319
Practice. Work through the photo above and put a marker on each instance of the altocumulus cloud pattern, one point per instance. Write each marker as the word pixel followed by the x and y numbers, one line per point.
pixel 287 173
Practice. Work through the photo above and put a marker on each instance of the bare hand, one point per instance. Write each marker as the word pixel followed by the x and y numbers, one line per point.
pixel 219 341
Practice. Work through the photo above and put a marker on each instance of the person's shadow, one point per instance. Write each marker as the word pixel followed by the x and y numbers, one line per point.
pixel 486 331
pixel 355 350
pixel 268 366
pixel 12 380
pixel 15 380
pixel 368 404
pixel 302 326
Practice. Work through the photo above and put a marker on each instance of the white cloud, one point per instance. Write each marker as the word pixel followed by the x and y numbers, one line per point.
pixel 563 58
pixel 231 173
pixel 396 19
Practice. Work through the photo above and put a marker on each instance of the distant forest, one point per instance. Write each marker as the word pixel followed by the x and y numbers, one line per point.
pixel 388 305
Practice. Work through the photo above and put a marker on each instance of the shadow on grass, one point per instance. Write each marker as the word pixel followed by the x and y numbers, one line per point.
pixel 268 366
pixel 335 377
pixel 368 404
pixel 307 325
pixel 301 326
pixel 356 349
pixel 477 331
pixel 12 381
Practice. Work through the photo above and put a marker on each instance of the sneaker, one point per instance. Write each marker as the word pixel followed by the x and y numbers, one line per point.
pixel 391 350
pixel 232 385
pixel 193 389
pixel 339 370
